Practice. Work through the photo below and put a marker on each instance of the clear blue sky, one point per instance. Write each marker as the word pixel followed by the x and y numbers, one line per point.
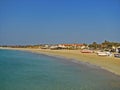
pixel 59 21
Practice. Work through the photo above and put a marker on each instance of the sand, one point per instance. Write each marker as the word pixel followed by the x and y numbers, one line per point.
pixel 111 64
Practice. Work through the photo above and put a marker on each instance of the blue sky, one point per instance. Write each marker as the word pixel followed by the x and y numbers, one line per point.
pixel 59 21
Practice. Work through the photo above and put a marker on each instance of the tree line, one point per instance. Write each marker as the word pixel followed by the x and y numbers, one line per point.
pixel 104 45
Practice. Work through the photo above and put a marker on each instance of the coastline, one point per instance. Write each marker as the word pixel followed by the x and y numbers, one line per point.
pixel 110 64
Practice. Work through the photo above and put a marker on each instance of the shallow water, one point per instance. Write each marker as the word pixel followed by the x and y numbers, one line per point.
pixel 28 71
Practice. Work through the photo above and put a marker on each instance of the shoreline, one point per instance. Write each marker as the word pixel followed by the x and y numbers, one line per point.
pixel 110 64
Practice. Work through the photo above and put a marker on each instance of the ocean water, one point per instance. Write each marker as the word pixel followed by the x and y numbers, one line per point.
pixel 29 71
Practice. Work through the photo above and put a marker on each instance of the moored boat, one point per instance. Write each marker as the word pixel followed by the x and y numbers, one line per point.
pixel 104 53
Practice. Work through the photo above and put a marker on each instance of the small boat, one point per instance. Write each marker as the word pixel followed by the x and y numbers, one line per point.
pixel 104 54
pixel 117 55
pixel 86 51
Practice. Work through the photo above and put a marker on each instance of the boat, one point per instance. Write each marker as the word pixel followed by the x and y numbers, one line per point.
pixel 87 51
pixel 104 54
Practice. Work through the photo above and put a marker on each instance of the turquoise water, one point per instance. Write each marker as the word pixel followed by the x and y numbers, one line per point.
pixel 28 71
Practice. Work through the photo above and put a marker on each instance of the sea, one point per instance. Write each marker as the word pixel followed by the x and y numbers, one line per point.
pixel 21 70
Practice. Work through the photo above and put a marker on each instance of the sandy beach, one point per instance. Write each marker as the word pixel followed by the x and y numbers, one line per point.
pixel 111 64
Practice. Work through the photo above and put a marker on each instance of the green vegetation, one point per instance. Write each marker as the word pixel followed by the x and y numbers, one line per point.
pixel 104 45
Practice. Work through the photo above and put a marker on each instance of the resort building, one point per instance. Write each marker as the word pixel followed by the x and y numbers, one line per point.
pixel 72 46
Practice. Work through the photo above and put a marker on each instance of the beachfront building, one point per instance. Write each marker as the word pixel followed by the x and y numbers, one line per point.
pixel 115 49
pixel 73 46
pixel 68 46
pixel 118 49
pixel 46 46
pixel 59 46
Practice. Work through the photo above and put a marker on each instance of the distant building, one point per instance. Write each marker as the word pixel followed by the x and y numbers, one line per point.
pixel 57 47
pixel 45 46
pixel 72 46
pixel 53 47
pixel 118 49
pixel 64 46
